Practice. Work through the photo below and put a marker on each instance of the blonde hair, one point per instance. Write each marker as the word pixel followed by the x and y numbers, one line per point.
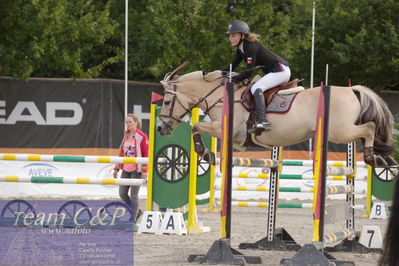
pixel 250 36
pixel 135 119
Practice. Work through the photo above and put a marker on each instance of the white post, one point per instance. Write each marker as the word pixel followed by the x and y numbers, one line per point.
pixel 326 74
pixel 312 64
pixel 312 53
pixel 126 55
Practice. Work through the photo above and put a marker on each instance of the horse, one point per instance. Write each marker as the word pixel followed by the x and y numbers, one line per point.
pixel 355 113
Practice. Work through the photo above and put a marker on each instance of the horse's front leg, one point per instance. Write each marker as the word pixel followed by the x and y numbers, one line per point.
pixel 211 128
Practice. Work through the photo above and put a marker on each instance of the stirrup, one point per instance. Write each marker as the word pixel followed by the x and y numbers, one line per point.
pixel 258 127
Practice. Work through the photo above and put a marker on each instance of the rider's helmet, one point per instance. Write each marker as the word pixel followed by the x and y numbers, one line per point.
pixel 238 26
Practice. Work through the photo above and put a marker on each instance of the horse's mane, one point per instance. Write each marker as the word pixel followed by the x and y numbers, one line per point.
pixel 193 76
pixel 190 76
pixel 197 75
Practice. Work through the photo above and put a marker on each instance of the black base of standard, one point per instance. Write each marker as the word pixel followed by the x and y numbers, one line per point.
pixel 282 241
pixel 222 253
pixel 352 246
pixel 310 255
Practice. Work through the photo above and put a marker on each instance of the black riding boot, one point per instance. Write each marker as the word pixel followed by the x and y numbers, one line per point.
pixel 261 123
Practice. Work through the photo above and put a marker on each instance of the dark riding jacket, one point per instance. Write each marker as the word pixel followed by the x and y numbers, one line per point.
pixel 255 54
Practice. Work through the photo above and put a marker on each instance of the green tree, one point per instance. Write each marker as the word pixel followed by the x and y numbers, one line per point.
pixel 359 40
pixel 165 33
pixel 54 38
pixel 168 32
pixel 85 38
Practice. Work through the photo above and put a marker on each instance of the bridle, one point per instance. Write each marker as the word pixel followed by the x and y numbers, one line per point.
pixel 188 109
pixel 170 116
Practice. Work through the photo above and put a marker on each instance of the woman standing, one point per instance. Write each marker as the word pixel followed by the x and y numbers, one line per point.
pixel 134 144
pixel 254 54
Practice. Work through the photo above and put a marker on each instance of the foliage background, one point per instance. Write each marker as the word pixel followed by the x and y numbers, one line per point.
pixel 85 38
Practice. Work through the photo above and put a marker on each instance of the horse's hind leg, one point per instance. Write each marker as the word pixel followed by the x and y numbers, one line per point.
pixel 369 156
pixel 365 131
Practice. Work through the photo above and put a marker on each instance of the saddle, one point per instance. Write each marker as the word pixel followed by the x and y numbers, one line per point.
pixel 248 102
pixel 247 99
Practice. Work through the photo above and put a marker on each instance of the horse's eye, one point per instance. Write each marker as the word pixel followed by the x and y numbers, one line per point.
pixel 166 102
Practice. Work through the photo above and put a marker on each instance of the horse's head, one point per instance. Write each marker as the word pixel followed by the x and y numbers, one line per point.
pixel 181 95
pixel 175 104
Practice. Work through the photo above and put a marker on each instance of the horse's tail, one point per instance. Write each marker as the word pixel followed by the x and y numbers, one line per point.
pixel 374 109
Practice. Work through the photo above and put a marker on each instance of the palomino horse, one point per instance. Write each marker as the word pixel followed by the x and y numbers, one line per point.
pixel 355 113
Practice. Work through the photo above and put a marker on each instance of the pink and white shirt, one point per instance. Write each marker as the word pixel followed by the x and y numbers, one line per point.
pixel 140 150
pixel 129 150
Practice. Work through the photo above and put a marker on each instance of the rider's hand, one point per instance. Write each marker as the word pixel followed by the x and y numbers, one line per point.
pixel 115 174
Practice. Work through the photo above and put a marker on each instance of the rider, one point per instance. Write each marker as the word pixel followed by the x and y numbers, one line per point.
pixel 253 53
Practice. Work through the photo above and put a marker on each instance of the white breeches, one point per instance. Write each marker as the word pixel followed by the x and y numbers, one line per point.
pixel 272 79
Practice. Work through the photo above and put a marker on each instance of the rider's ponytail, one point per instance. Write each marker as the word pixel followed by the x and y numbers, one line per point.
pixel 252 37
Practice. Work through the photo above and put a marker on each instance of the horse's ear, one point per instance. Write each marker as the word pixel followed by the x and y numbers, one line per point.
pixel 211 76
pixel 177 70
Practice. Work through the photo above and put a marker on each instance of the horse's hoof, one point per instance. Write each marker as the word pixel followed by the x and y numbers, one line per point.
pixel 198 144
pixel 369 156
pixel 390 161
pixel 376 161
pixel 380 162
pixel 370 161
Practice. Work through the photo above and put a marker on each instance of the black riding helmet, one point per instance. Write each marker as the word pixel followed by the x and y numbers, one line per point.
pixel 238 26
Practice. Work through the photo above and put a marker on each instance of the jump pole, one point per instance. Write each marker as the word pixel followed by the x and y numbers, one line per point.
pixel 221 251
pixel 73 158
pixel 74 180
